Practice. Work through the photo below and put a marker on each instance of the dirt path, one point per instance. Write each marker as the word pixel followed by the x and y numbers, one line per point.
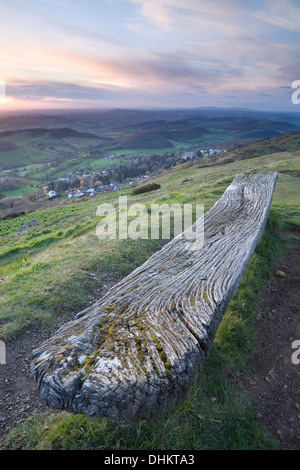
pixel 19 397
pixel 272 381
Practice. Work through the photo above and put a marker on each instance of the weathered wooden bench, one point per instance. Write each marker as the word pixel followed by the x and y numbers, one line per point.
pixel 137 351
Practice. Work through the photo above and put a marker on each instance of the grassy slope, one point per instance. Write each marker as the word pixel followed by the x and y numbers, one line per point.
pixel 22 139
pixel 23 190
pixel 46 271
pixel 33 160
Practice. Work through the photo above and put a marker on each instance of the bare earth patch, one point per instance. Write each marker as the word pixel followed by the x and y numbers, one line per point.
pixel 271 381
pixel 18 391
pixel 19 396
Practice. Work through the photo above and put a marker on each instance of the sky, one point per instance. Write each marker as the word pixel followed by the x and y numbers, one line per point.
pixel 149 54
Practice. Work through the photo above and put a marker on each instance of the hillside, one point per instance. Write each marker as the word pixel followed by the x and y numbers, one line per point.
pixel 140 129
pixel 51 271
pixel 161 135
pixel 288 142
pixel 100 149
pixel 40 145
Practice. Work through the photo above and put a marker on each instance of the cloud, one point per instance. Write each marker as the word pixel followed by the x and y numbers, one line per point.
pixel 189 69
pixel 281 13
pixel 168 13
pixel 148 49
pixel 55 100
pixel 264 94
pixel 55 91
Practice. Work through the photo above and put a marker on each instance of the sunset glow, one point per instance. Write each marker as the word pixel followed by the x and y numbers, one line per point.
pixel 149 53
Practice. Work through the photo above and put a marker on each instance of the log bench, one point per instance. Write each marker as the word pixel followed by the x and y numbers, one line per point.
pixel 138 350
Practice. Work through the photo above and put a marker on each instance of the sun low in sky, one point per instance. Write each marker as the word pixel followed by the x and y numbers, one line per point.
pixel 149 53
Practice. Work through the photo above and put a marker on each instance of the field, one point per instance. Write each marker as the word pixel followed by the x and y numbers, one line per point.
pixel 50 272
pixel 24 190
pixel 31 147
pixel 44 138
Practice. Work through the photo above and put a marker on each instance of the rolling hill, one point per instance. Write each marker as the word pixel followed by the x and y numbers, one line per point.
pixel 122 128
pixel 53 270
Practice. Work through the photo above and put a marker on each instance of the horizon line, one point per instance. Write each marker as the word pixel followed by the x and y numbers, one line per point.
pixel 146 108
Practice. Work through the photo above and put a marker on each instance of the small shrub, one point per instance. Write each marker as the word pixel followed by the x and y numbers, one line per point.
pixel 145 188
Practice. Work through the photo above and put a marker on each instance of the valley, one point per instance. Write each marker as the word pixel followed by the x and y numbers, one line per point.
pixel 100 151
pixel 52 265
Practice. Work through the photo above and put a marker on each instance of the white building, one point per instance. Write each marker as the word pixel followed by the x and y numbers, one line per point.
pixel 78 193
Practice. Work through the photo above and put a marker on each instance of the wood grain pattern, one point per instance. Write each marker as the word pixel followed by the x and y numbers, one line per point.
pixel 137 351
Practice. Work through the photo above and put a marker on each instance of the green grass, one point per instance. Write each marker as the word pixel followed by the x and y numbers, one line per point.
pixel 142 151
pixel 204 141
pixel 67 229
pixel 215 416
pixel 45 272
pixel 72 164
pixel 22 191
pixel 34 168
pixel 26 156
pixel 21 137
pixel 15 155
pixel 103 163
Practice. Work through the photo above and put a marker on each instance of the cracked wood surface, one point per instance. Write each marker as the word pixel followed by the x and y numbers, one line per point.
pixel 138 350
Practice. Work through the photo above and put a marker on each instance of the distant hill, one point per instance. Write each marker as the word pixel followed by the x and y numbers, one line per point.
pixel 7 146
pixel 61 133
pixel 58 268
pixel 143 140
pixel 99 121
pixel 159 134
pixel 28 146
pixel 202 130
pixel 44 146
pixel 286 143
